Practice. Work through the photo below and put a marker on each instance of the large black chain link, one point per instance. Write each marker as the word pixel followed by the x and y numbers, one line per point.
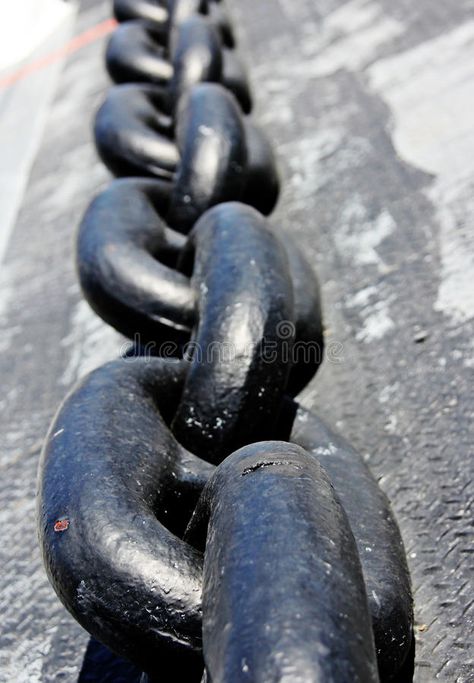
pixel 278 561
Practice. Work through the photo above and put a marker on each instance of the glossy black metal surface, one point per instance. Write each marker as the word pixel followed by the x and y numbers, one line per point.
pixel 196 54
pixel 139 52
pixel 153 11
pixel 262 184
pixel 309 334
pixel 134 133
pixel 378 539
pixel 170 13
pixel 219 16
pixel 100 665
pixel 136 53
pixel 239 367
pixel 181 10
pixel 127 260
pixel 220 156
pixel 120 243
pixel 283 591
pixel 127 579
pixel 235 79
pixel 212 145
pixel 110 503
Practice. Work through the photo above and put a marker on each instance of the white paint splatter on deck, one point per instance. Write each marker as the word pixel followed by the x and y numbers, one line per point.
pixel 374 313
pixel 349 38
pixel 358 234
pixel 434 132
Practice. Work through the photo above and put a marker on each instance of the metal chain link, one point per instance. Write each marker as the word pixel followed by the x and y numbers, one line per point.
pixel 278 561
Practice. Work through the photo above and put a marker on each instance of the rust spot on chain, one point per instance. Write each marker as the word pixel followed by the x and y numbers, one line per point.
pixel 61 525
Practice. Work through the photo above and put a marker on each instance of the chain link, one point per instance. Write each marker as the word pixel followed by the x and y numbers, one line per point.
pixel 175 550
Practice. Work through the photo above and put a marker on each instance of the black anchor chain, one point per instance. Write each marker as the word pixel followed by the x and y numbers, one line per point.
pixel 135 136
pixel 138 52
pixel 193 516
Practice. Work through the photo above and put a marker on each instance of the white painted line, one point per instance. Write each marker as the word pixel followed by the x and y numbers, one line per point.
pixel 24 106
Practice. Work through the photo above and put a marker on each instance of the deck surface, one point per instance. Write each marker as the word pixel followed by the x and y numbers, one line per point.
pixel 369 105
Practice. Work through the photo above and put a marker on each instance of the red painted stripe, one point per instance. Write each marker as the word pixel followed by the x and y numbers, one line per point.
pixel 76 43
